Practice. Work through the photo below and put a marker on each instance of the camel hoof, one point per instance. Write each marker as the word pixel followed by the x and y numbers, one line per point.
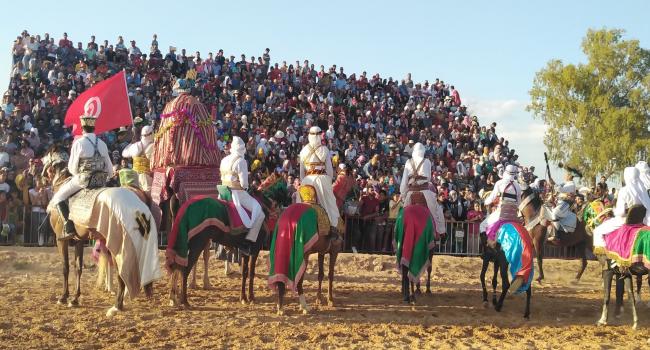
pixel 305 311
pixel 61 302
pixel 243 301
pixel 428 292
pixel 192 286
pixel 601 323
pixel 634 326
pixel 486 304
pixel 112 311
pixel 208 287
pixel 185 306
pixel 330 302
pixel 280 313
pixel 73 303
pixel 527 317
pixel 172 303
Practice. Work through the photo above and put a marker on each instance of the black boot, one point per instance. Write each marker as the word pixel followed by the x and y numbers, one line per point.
pixel 69 231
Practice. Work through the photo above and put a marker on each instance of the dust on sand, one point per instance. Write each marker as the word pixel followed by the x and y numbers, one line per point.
pixel 368 314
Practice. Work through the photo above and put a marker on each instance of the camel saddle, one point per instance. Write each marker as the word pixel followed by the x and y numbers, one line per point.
pixel 417 198
pixel 82 204
pixel 225 196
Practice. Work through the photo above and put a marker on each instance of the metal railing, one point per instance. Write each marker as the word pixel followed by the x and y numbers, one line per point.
pixel 462 238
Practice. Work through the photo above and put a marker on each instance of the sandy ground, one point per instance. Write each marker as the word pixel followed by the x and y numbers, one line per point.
pixel 368 314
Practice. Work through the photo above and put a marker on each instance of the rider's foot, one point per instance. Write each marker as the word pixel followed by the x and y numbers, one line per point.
pixel 69 231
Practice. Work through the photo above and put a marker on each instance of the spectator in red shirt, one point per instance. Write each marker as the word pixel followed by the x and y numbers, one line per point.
pixel 65 43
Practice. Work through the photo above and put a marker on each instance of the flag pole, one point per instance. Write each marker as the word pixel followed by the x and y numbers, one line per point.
pixel 126 90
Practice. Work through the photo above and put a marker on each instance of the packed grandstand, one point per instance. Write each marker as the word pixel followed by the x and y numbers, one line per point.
pixel 371 124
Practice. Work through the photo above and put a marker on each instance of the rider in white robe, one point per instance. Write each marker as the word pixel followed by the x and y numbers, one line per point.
pixel 141 153
pixel 234 174
pixel 416 178
pixel 633 193
pixel 90 167
pixel 316 170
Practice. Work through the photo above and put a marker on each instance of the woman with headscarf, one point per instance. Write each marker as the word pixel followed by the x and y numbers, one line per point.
pixel 633 193
pixel 234 174
pixel 416 178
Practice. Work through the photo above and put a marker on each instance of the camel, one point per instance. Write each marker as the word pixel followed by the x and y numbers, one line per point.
pixel 59 174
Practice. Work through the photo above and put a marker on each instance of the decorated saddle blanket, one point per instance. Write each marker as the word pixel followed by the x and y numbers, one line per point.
pixel 628 245
pixel 82 204
pixel 295 233
pixel 414 238
pixel 131 236
pixel 194 216
pixel 518 248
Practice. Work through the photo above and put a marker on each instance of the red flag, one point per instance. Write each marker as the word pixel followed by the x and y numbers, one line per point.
pixel 108 101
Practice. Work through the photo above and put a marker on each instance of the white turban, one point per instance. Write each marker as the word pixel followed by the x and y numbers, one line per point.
pixel 237 146
pixel 314 136
pixel 634 187
pixel 418 152
pixel 568 187
pixel 510 172
pixel 644 173
pixel 146 135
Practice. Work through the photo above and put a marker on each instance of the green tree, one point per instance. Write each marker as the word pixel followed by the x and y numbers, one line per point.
pixel 597 114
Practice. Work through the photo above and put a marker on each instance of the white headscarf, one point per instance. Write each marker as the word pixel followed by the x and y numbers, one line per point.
pixel 237 146
pixel 146 135
pixel 634 187
pixel 644 173
pixel 418 152
pixel 510 173
pixel 314 136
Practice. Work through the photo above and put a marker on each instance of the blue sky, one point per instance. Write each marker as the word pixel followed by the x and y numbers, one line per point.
pixel 490 50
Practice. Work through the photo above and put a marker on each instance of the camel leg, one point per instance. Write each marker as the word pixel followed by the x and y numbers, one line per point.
pixel 620 294
pixel 301 297
pixel 630 295
pixel 505 283
pixel 192 284
pixel 79 264
pixel 429 268
pixel 109 272
pixel 607 287
pixel 206 262
pixel 281 290
pixel 66 271
pixel 583 261
pixel 495 282
pixel 244 276
pixel 529 293
pixel 192 258
pixel 330 289
pixel 539 250
pixel 173 286
pixel 321 275
pixel 412 299
pixel 405 284
pixel 251 278
pixel 119 298
pixel 484 267
pixel 639 283
pixel 184 277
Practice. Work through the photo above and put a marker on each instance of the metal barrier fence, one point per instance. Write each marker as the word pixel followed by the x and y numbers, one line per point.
pixel 462 238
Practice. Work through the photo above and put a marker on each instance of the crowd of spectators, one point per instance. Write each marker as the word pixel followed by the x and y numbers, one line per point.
pixel 371 122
